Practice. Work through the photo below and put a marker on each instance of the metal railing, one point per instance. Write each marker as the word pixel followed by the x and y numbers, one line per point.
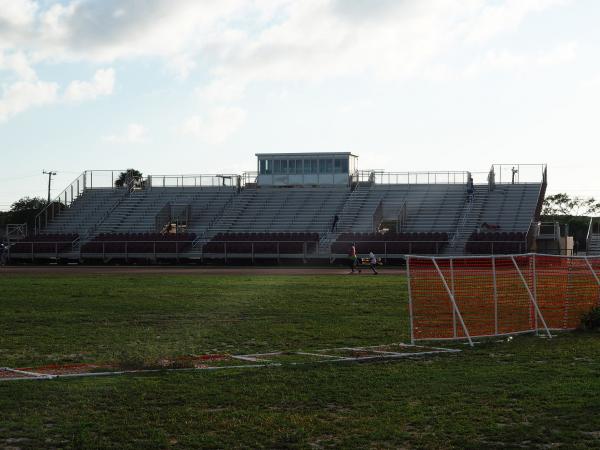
pixel 386 248
pixel 16 232
pixel 249 178
pixel 518 173
pixel 382 177
pixel 592 233
pixel 377 216
pixel 101 179
pixel 402 218
pixel 184 181
pixel 256 249
pixel 60 203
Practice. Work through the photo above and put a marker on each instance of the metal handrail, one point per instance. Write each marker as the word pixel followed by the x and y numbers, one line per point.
pixel 402 217
pixel 590 234
pixel 377 215
pixel 67 194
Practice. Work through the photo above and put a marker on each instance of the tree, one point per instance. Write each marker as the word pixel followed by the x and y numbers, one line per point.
pixel 127 177
pixel 563 205
pixel 24 210
pixel 28 204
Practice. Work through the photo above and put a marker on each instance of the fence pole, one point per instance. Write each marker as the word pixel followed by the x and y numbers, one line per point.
pixel 495 294
pixel 587 261
pixel 452 299
pixel 410 305
pixel 535 320
pixel 453 293
pixel 533 300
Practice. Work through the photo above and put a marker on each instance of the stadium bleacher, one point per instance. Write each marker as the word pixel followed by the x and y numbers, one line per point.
pixel 427 213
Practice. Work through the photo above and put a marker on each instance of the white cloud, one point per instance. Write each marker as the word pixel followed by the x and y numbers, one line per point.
pixel 220 124
pixel 505 60
pixel 17 12
pixel 134 134
pixel 29 92
pixel 507 15
pixel 390 40
pixel 243 42
pixel 17 63
pixel 24 95
pixel 102 84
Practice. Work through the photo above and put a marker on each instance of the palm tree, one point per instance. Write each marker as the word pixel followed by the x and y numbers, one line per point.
pixel 127 177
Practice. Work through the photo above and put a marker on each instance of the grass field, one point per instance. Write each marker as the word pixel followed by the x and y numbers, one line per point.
pixel 528 392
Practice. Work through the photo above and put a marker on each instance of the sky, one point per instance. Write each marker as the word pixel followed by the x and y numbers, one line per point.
pixel 200 86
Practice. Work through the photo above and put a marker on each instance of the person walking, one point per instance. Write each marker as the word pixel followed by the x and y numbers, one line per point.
pixel 373 262
pixel 353 259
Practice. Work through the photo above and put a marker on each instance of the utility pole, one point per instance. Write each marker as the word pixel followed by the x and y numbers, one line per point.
pixel 50 174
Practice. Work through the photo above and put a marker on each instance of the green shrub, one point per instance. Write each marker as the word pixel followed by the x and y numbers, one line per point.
pixel 591 319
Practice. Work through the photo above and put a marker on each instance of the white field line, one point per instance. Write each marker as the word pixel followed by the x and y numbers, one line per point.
pixel 251 358
pixel 320 354
pixel 25 372
pixel 246 358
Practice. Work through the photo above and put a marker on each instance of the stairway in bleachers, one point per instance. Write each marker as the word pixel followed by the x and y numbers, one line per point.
pixel 469 221
pixel 594 245
pixel 85 212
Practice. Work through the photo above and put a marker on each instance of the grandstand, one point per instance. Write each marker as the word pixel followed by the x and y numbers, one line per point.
pixel 593 237
pixel 302 206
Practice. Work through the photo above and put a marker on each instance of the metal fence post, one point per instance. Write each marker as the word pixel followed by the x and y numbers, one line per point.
pixel 453 293
pixel 453 300
pixel 535 319
pixel 531 297
pixel 410 305
pixel 495 294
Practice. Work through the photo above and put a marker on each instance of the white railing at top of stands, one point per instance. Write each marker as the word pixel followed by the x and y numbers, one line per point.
pixel 96 179
pixel 249 178
pixel 518 173
pixel 382 177
pixel 218 180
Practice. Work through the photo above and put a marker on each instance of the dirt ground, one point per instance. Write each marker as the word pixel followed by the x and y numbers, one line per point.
pixel 186 270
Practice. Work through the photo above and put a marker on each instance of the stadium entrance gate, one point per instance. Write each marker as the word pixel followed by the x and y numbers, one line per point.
pixel 484 296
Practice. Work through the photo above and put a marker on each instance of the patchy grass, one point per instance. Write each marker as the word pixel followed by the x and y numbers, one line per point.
pixel 148 318
pixel 527 392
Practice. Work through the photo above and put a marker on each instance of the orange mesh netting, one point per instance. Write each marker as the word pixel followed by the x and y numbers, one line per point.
pixel 497 295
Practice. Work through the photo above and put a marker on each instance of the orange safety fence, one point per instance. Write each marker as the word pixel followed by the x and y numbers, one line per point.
pixel 468 297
